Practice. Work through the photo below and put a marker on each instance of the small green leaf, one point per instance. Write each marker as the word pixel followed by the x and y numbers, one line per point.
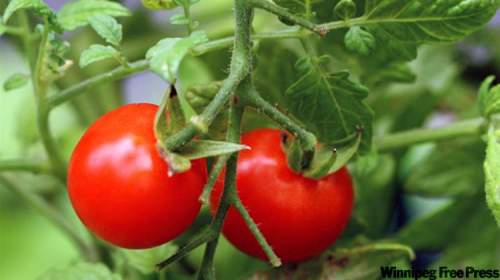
pixel 359 40
pixel 79 271
pixel 159 4
pixel 15 81
pixel 489 98
pixel 330 105
pixel 146 260
pixel 96 53
pixel 166 56
pixel 108 28
pixel 77 14
pixel 328 160
pixel 345 9
pixel 209 148
pixel 492 174
pixel 179 19
pixel 15 5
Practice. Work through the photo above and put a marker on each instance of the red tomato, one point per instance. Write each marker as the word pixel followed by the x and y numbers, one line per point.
pixel 118 183
pixel 299 217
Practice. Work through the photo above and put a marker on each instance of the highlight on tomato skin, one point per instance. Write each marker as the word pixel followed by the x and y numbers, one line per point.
pixel 299 217
pixel 118 183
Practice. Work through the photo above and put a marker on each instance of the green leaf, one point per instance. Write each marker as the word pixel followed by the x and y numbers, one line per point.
pixel 78 13
pixel 329 104
pixel 475 241
pixel 146 260
pixel 208 148
pixel 16 81
pixel 294 6
pixel 327 160
pixel 451 169
pixel 159 4
pixel 80 271
pixel 15 5
pixel 359 40
pixel 179 19
pixel 166 56
pixel 489 98
pixel 37 6
pixel 492 174
pixel 399 27
pixel 96 53
pixel 443 222
pixel 345 9
pixel 108 28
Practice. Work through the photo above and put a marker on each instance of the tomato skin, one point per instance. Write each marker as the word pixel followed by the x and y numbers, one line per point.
pixel 118 183
pixel 299 217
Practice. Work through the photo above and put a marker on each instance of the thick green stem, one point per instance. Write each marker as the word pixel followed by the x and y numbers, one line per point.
pixel 239 69
pixel 40 86
pixel 403 139
pixel 271 256
pixel 307 139
pixel 234 129
pixel 54 216
pixel 24 165
pixel 113 75
pixel 212 178
pixel 284 13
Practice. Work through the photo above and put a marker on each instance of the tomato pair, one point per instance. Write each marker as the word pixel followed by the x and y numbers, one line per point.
pixel 120 189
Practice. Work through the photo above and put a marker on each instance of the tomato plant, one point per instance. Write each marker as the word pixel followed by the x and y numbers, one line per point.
pixel 119 184
pixel 402 94
pixel 300 217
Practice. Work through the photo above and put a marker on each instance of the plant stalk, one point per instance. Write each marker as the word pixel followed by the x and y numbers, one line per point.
pixel 473 127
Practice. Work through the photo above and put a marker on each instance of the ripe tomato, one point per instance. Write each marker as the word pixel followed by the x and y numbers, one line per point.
pixel 299 217
pixel 118 183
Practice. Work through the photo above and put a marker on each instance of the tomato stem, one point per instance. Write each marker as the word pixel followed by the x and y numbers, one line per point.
pixel 284 13
pixel 24 165
pixel 273 258
pixel 212 178
pixel 473 127
pixel 308 140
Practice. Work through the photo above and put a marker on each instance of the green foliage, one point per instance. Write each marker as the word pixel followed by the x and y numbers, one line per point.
pixel 359 40
pixel 145 260
pixel 78 13
pixel 108 28
pixel 450 169
pixel 345 9
pixel 16 5
pixel 15 81
pixel 489 98
pixel 329 104
pixel 492 173
pixel 80 271
pixel 97 53
pixel 166 56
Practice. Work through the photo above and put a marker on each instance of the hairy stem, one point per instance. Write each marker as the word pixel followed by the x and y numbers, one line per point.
pixel 271 256
pixel 40 86
pixel 307 139
pixel 54 216
pixel 212 178
pixel 207 270
pixel 284 13
pixel 113 75
pixel 24 165
pixel 473 127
